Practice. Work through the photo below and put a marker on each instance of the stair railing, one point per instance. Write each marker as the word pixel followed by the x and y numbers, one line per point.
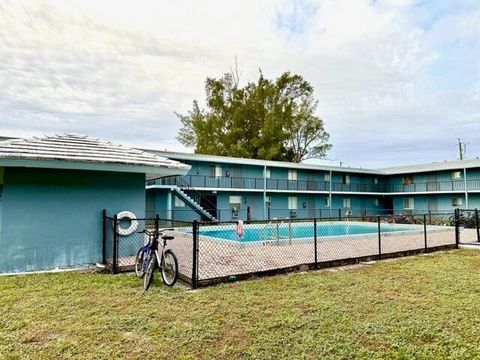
pixel 195 195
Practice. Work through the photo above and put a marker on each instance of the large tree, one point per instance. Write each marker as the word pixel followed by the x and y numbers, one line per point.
pixel 272 120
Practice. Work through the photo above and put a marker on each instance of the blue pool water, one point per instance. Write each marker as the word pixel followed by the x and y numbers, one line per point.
pixel 272 232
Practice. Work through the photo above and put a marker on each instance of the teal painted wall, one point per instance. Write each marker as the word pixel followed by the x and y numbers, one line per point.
pixel 157 200
pixel 441 202
pixel 52 218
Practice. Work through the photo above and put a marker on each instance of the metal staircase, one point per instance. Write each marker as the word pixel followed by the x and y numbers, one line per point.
pixel 193 204
pixel 188 194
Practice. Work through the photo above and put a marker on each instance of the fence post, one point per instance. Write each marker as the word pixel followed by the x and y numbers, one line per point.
pixel 379 239
pixel 425 231
pixel 157 222
pixel 195 254
pixel 339 214
pixel 104 236
pixel 457 227
pixel 315 241
pixel 477 225
pixel 115 244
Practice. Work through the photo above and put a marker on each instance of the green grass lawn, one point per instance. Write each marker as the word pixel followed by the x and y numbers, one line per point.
pixel 418 307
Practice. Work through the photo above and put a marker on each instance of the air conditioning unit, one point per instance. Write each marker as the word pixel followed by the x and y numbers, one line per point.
pixel 235 208
pixel 348 212
pixel 293 214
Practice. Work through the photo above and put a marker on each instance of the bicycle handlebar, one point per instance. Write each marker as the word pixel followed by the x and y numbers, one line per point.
pixel 160 231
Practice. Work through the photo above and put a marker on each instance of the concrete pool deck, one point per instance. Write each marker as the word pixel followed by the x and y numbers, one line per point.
pixel 220 258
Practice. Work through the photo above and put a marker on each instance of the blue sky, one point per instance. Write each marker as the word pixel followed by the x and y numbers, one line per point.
pixel 398 80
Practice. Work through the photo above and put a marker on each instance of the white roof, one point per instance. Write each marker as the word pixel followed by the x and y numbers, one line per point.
pixel 406 169
pixel 257 162
pixel 436 166
pixel 84 149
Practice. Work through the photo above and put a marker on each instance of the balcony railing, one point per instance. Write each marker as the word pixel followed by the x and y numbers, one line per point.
pixel 201 181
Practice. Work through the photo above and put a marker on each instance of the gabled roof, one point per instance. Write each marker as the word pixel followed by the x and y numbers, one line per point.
pixel 71 151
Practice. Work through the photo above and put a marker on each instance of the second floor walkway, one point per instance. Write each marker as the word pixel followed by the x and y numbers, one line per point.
pixel 260 184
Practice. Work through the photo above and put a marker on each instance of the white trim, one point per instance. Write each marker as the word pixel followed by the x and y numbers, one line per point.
pixel 267 190
pixel 320 192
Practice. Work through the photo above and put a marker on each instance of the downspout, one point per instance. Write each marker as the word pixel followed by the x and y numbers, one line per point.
pixel 465 184
pixel 330 194
pixel 265 192
pixel 169 204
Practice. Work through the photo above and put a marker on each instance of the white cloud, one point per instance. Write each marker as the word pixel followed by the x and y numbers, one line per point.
pixel 119 69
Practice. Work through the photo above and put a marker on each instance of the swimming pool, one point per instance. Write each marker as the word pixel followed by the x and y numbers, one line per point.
pixel 281 231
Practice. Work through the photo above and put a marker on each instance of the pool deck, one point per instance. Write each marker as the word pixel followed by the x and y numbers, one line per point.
pixel 220 258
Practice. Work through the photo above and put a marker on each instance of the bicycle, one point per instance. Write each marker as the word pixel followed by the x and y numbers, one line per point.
pixel 148 258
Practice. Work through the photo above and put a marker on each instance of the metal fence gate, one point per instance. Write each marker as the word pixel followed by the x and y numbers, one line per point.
pixel 120 249
pixel 468 226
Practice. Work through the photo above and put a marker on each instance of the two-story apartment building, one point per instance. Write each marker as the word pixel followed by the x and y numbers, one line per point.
pixel 225 188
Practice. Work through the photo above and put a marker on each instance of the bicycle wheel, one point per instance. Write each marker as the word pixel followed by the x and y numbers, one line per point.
pixel 169 268
pixel 139 263
pixel 147 280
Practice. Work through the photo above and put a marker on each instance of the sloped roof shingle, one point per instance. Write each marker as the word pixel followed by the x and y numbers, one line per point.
pixel 82 149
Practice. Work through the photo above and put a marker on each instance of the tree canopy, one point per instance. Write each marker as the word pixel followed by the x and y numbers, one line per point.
pixel 269 119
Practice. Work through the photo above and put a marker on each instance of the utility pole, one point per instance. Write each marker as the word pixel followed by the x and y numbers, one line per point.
pixel 461 149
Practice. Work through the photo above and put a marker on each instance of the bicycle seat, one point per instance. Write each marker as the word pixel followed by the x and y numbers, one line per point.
pixel 167 237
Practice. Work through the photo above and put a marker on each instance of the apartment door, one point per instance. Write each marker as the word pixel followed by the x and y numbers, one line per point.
pixel 254 207
pixel 209 203
pixel 432 204
pixel 432 182
pixel 237 178
pixel 311 206
pixel 311 181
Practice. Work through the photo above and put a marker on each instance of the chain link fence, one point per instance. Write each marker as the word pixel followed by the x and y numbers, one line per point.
pixel 123 238
pixel 212 252
pixel 468 226
pixel 228 251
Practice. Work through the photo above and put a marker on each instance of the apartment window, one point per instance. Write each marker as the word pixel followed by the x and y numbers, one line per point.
pixel 346 179
pixel 375 180
pixel 456 175
pixel 216 170
pixel 235 200
pixel 268 173
pixel 408 203
pixel 346 203
pixel 179 202
pixel 292 206
pixel 292 203
pixel 457 201
pixel 326 177
pixel 292 175
pixel 326 201
pixel 407 180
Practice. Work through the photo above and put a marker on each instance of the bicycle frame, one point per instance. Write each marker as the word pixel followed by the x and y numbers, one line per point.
pixel 152 246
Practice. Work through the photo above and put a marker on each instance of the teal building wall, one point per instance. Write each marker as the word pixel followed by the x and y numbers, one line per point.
pixel 53 218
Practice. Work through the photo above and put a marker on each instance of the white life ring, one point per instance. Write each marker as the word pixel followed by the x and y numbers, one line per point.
pixel 133 223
